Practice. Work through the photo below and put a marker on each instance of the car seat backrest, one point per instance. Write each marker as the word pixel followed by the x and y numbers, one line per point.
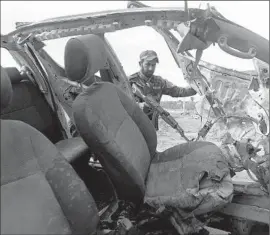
pixel 28 105
pixel 111 122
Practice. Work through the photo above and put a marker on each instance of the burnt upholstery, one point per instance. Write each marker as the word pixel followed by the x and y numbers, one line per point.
pixel 190 176
pixel 125 141
pixel 40 191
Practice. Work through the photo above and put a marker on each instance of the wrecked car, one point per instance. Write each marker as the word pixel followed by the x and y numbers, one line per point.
pixel 78 154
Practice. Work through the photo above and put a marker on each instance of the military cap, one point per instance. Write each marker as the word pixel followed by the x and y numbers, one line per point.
pixel 149 55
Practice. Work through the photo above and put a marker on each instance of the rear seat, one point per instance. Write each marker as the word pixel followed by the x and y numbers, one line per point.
pixel 28 105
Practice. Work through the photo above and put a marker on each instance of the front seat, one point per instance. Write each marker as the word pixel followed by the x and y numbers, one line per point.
pixel 192 176
pixel 40 191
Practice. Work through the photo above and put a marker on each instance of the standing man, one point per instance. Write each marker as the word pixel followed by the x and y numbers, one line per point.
pixel 153 85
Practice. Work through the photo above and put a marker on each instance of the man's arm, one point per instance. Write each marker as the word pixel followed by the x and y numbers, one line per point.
pixel 175 91
pixel 132 80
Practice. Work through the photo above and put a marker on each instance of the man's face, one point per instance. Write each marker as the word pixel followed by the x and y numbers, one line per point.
pixel 148 67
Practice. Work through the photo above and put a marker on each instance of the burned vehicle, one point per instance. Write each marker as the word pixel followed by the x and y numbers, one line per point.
pixel 79 156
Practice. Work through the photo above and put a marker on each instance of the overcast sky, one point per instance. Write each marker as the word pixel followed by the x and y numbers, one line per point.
pixel 128 44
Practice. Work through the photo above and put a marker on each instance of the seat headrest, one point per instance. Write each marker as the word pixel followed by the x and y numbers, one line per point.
pixel 6 89
pixel 84 56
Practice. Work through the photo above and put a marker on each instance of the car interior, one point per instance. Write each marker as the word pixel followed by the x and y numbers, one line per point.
pixel 22 102
pixel 28 105
pixel 79 155
pixel 60 202
pixel 115 130
pixel 125 142
pixel 112 127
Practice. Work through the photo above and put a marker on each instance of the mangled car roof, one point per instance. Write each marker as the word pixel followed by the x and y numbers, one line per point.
pixel 106 21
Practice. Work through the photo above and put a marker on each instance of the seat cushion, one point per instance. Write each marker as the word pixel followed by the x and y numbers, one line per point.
pixel 119 134
pixel 40 192
pixel 191 176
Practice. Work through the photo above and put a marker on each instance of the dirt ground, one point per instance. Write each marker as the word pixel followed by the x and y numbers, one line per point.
pixel 191 123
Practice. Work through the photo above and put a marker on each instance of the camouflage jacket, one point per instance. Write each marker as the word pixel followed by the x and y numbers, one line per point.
pixel 156 86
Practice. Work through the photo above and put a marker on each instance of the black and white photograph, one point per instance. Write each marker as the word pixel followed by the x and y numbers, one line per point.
pixel 135 118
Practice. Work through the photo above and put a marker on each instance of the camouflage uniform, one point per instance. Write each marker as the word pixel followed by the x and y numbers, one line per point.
pixel 156 86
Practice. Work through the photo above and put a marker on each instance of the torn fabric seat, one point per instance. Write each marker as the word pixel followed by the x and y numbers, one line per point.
pixel 192 177
pixel 188 183
pixel 185 178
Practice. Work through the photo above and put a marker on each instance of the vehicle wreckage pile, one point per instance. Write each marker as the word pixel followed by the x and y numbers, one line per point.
pixel 235 105
pixel 242 119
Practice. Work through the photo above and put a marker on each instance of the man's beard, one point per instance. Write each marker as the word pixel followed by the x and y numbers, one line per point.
pixel 147 74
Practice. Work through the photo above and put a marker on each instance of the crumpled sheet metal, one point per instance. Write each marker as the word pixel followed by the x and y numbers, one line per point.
pixel 246 156
pixel 197 183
